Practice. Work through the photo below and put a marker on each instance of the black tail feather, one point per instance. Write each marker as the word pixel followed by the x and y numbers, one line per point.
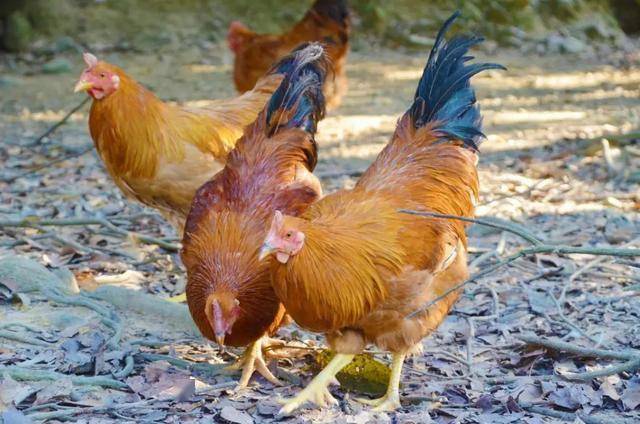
pixel 444 93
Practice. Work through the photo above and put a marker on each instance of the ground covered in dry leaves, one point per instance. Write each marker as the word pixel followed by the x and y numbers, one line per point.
pixel 549 337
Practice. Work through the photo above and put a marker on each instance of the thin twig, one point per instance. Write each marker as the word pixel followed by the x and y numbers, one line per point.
pixel 629 366
pixel 61 122
pixel 26 374
pixel 70 412
pixel 128 368
pixel 11 335
pixel 586 267
pixel 210 369
pixel 73 155
pixel 484 222
pixel 568 322
pixel 33 223
pixel 565 416
pixel 545 248
pixel 561 346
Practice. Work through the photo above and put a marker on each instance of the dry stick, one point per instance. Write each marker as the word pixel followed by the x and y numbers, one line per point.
pixel 11 335
pixel 500 226
pixel 561 346
pixel 70 412
pixel 544 248
pixel 210 369
pixel 26 374
pixel 48 164
pixel 128 368
pixel 586 267
pixel 567 321
pixel 629 366
pixel 565 416
pixel 33 223
pixel 61 122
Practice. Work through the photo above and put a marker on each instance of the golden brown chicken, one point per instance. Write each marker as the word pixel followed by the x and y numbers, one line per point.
pixel 159 153
pixel 327 22
pixel 228 290
pixel 354 267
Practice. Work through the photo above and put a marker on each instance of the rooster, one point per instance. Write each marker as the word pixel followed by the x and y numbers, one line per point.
pixel 327 22
pixel 228 290
pixel 160 153
pixel 355 268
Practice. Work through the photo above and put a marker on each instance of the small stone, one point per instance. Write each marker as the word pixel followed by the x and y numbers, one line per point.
pixel 57 66
pixel 619 230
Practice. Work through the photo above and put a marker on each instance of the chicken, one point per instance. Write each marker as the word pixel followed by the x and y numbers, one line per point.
pixel 160 153
pixel 353 266
pixel 327 22
pixel 228 290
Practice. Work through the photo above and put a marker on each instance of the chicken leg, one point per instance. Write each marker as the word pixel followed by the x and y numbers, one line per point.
pixel 252 361
pixel 391 400
pixel 317 390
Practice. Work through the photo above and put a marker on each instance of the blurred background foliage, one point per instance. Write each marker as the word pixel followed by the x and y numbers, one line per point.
pixel 144 25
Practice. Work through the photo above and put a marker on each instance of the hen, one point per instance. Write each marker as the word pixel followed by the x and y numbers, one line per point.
pixel 354 267
pixel 159 153
pixel 228 289
pixel 327 22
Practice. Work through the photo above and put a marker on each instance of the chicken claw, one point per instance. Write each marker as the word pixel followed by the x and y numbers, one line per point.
pixel 391 400
pixel 251 362
pixel 178 299
pixel 317 390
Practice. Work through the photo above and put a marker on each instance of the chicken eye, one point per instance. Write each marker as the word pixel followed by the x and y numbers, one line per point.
pixel 288 235
pixel 102 75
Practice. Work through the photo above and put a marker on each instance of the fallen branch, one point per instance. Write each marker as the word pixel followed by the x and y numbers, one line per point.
pixel 26 374
pixel 71 412
pixel 566 416
pixel 561 346
pixel 206 368
pixel 504 226
pixel 11 335
pixel 73 155
pixel 34 223
pixel 629 366
pixel 544 248
pixel 129 363
pixel 61 122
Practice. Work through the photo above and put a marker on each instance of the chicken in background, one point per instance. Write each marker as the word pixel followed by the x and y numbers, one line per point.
pixel 354 267
pixel 327 22
pixel 159 153
pixel 229 290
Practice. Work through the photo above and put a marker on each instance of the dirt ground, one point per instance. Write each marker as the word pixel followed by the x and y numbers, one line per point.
pixel 544 168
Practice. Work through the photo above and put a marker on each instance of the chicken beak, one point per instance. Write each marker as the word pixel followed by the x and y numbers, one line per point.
pixel 265 251
pixel 82 85
pixel 220 338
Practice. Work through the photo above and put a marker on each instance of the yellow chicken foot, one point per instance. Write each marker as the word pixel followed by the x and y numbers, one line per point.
pixel 391 400
pixel 317 391
pixel 251 362
pixel 178 299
